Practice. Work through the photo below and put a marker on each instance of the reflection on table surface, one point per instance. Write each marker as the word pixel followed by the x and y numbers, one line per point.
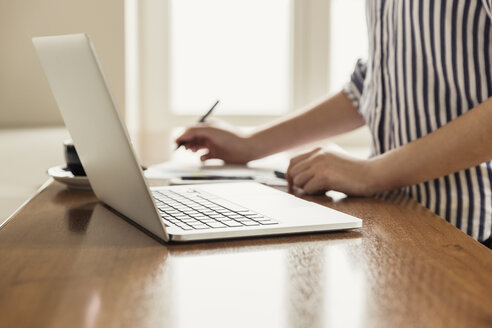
pixel 67 260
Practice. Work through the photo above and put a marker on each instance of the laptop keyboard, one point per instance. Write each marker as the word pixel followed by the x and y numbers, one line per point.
pixel 196 210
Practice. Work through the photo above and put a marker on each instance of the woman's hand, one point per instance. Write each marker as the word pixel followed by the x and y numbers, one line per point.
pixel 320 170
pixel 221 140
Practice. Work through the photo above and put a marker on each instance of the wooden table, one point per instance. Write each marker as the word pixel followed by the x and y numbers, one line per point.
pixel 67 261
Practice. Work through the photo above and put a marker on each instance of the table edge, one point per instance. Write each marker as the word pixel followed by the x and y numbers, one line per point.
pixel 18 209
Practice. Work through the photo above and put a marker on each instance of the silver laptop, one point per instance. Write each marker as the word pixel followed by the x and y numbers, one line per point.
pixel 172 213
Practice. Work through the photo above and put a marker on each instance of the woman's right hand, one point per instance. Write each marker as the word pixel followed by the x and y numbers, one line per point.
pixel 221 140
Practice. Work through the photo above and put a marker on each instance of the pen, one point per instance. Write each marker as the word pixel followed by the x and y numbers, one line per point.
pixel 217 177
pixel 280 175
pixel 201 120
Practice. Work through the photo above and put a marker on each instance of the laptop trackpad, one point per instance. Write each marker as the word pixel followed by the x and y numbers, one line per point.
pixel 254 195
pixel 277 204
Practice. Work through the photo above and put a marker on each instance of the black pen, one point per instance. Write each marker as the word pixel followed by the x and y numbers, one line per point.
pixel 217 177
pixel 201 120
pixel 280 175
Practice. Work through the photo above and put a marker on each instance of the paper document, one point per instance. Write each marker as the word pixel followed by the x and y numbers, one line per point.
pixel 175 171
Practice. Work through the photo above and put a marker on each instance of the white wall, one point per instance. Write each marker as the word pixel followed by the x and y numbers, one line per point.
pixel 25 98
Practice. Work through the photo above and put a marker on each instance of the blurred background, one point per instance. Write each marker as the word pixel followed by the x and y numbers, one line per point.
pixel 166 62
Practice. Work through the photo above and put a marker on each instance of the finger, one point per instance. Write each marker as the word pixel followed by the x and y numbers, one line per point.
pixel 302 157
pixel 195 144
pixel 204 157
pixel 299 158
pixel 211 154
pixel 300 167
pixel 190 143
pixel 198 143
pixel 302 178
pixel 195 148
pixel 315 185
pixel 193 132
pixel 186 136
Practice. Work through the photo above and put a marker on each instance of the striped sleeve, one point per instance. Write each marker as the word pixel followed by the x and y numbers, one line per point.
pixel 354 88
pixel 487 4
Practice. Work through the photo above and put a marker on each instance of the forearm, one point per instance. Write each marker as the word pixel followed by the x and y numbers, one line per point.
pixel 463 143
pixel 330 117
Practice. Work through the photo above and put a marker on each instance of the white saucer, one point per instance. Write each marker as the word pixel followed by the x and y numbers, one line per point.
pixel 61 174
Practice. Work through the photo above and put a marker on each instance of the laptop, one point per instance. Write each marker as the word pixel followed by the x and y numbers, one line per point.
pixel 170 213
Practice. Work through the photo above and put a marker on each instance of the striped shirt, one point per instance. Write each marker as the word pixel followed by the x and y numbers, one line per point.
pixel 429 62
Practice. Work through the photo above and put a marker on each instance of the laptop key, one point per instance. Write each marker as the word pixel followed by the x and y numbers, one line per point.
pixel 254 215
pixel 231 223
pixel 167 223
pixel 216 224
pixel 185 227
pixel 231 206
pixel 245 212
pixel 200 226
pixel 243 220
pixel 193 213
pixel 250 223
pixel 190 221
pixel 260 219
pixel 267 222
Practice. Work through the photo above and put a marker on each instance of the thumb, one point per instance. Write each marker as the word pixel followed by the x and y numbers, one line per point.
pixel 206 156
pixel 192 133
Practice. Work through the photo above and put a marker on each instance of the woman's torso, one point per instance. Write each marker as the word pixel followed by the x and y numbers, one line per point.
pixel 430 61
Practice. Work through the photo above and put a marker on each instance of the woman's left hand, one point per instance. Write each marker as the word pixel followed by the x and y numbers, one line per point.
pixel 321 170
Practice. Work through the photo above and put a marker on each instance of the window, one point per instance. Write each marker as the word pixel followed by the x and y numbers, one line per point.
pixel 261 58
pixel 348 40
pixel 236 51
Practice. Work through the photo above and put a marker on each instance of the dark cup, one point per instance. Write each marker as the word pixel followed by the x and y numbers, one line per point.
pixel 72 158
